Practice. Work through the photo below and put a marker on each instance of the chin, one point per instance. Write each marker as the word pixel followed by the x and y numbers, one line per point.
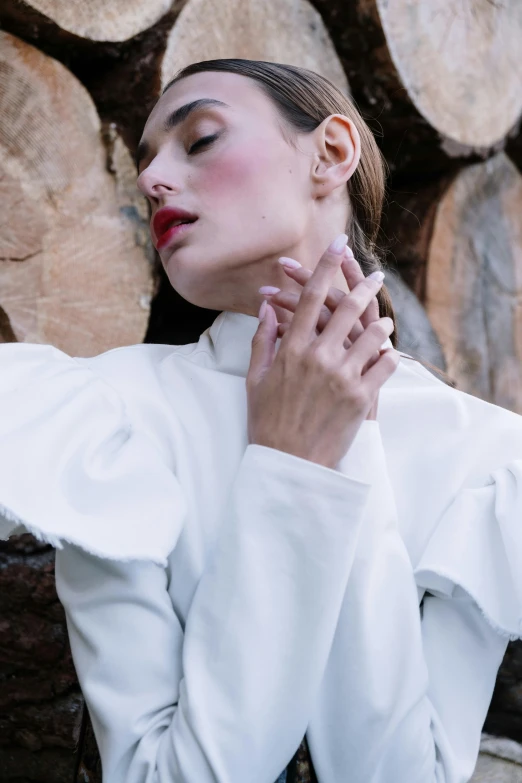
pixel 193 284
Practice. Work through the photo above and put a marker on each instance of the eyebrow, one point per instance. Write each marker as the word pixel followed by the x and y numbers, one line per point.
pixel 176 118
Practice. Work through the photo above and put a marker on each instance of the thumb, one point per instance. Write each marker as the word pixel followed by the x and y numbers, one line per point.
pixel 263 345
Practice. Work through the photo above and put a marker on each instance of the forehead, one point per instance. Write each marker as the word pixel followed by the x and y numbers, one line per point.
pixel 243 98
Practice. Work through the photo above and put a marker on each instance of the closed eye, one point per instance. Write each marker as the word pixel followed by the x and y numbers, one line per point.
pixel 203 142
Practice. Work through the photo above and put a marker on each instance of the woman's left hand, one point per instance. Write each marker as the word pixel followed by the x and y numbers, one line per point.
pixel 353 274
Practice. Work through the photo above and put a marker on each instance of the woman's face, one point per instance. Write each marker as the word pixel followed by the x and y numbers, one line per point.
pixel 255 196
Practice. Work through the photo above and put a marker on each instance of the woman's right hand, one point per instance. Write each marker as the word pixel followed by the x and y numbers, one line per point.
pixel 311 397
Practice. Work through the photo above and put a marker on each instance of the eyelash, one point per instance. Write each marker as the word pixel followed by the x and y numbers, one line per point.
pixel 203 142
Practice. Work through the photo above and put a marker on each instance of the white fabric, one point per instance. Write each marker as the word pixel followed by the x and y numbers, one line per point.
pixel 223 598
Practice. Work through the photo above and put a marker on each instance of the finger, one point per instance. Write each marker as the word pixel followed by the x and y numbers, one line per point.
pixel 301 275
pixel 372 413
pixel 315 290
pixel 289 300
pixel 383 369
pixel 349 310
pixel 371 361
pixel 369 344
pixel 283 328
pixel 353 275
pixel 263 346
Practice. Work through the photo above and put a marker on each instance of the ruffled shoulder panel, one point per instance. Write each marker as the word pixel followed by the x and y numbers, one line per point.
pixel 74 467
pixel 477 547
pixel 475 544
pixel 455 462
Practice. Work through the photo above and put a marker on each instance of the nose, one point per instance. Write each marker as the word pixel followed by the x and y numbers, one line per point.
pixel 156 180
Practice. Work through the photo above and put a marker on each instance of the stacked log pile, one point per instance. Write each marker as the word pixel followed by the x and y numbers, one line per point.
pixel 439 83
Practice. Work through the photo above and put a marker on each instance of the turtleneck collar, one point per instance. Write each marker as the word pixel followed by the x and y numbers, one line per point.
pixel 228 342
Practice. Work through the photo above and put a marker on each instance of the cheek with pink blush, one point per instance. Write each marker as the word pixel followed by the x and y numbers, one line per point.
pixel 230 179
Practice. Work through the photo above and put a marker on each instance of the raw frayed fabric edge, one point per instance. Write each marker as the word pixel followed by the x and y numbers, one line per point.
pixel 500 630
pixel 58 541
pixel 512 637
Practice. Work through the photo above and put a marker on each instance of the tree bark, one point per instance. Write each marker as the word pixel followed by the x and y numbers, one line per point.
pixel 40 699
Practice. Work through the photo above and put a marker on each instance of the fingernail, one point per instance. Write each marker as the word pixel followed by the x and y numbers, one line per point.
pixel 377 275
pixel 262 310
pixel 269 290
pixel 338 245
pixel 291 263
pixel 348 252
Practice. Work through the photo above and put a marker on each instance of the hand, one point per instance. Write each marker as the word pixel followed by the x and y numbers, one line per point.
pixel 353 274
pixel 310 398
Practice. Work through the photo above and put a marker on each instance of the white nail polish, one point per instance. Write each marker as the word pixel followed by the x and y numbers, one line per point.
pixel 291 263
pixel 268 290
pixel 338 245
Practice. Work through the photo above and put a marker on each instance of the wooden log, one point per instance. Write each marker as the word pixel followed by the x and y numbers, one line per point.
pixel 121 77
pixel 474 281
pixel 289 31
pixel 499 761
pixel 75 253
pixel 407 227
pixel 491 769
pixel 415 332
pixel 429 72
pixel 95 20
pixel 125 78
pixel 457 243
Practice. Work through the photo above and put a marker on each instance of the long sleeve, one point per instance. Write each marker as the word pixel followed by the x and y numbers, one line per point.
pixel 405 692
pixel 227 698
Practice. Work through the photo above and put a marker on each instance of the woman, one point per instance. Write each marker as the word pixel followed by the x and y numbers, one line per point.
pixel 286 534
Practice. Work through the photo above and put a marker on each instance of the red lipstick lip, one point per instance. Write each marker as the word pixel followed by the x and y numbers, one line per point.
pixel 171 233
pixel 165 217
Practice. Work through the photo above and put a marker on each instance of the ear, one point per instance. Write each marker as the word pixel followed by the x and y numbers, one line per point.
pixel 337 153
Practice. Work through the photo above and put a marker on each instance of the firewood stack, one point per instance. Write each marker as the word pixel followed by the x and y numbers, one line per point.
pixel 439 83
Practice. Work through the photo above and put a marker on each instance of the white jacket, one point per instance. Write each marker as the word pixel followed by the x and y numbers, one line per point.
pixel 224 598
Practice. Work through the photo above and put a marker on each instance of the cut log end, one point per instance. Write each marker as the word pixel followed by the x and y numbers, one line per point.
pixel 98 20
pixel 289 32
pixel 459 62
pixel 75 260
pixel 474 281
